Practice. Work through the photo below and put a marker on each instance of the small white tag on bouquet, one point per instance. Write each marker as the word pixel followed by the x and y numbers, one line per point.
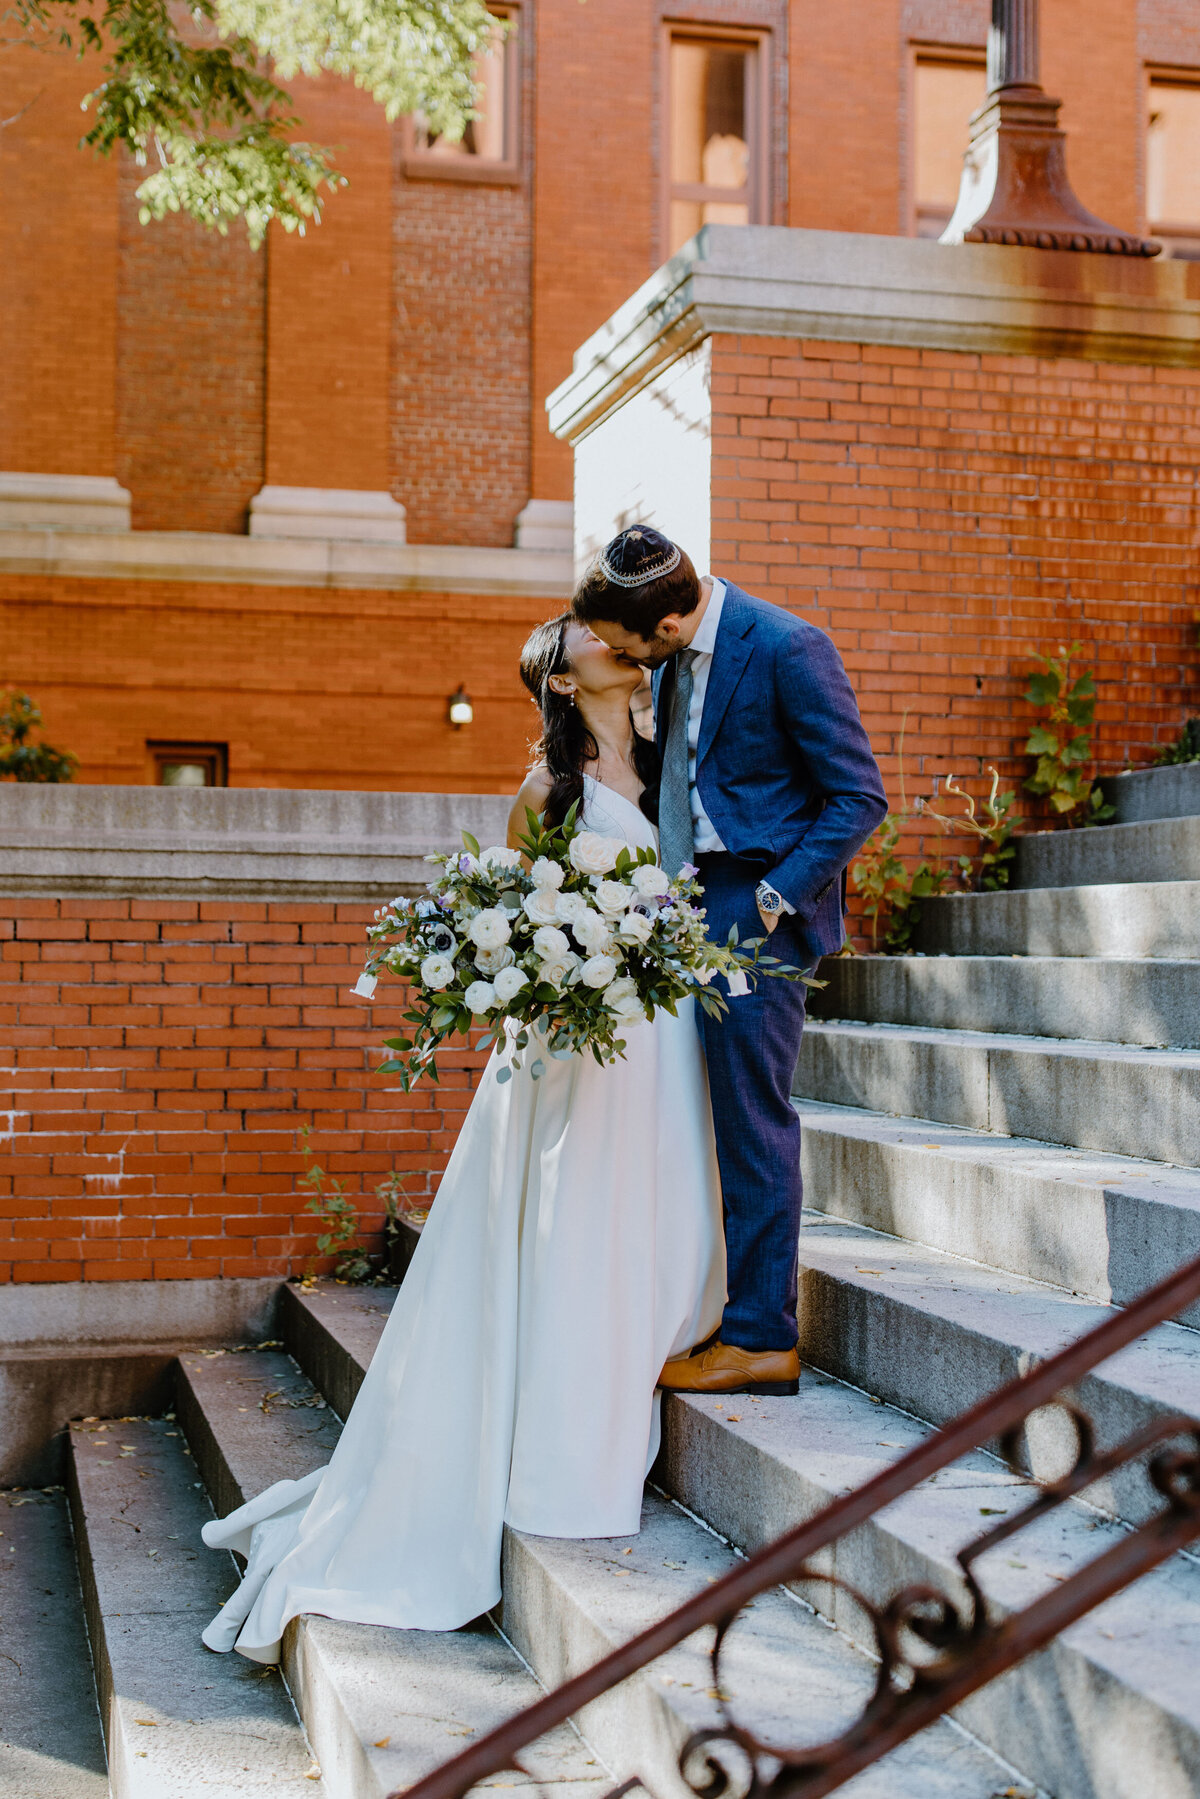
pixel 738 984
pixel 365 985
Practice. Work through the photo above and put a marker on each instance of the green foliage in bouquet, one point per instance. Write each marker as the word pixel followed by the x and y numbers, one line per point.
pixel 20 758
pixel 1063 743
pixel 559 949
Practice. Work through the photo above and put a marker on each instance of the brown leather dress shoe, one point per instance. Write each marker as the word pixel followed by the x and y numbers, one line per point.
pixel 724 1368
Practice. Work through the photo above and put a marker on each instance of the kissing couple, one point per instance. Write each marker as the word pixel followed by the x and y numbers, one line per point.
pixel 603 1232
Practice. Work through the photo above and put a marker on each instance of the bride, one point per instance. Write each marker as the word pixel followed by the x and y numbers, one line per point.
pixel 575 1245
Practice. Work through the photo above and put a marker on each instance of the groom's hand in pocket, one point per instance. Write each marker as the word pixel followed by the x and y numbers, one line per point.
pixel 770 919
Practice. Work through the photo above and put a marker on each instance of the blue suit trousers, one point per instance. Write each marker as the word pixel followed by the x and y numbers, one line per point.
pixel 751 1052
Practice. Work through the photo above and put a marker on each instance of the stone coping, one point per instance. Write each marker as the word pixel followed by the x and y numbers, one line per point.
pixel 73 1314
pixel 774 281
pixel 1172 791
pixel 212 556
pixel 235 842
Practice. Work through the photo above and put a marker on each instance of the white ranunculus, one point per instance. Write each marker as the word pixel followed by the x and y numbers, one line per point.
pixel 541 906
pixel 550 942
pixel 489 929
pixel 650 880
pixel 480 997
pixel 570 906
pixel 635 928
pixel 612 897
pixel 490 961
pixel 597 971
pixel 592 854
pixel 508 983
pixel 437 972
pixel 556 971
pixel 547 873
pixel 500 857
pixel 591 932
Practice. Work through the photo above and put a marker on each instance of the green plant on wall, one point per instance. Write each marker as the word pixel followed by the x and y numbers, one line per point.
pixel 989 869
pixel 1186 747
pixel 340 1215
pixel 20 758
pixel 1062 742
pixel 889 886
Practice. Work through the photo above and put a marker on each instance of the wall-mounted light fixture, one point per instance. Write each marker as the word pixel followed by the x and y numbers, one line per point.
pixel 461 710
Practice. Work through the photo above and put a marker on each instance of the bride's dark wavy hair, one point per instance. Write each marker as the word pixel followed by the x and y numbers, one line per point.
pixel 566 743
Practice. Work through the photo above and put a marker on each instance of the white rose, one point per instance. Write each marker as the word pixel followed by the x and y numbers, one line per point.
pixel 491 961
pixel 489 929
pixel 598 971
pixel 570 906
pixel 635 928
pixel 480 997
pixel 612 897
pixel 437 972
pixel 556 971
pixel 591 932
pixel 550 943
pixel 592 854
pixel 629 1014
pixel 625 987
pixel 508 983
pixel 547 874
pixel 541 906
pixel 650 880
pixel 500 859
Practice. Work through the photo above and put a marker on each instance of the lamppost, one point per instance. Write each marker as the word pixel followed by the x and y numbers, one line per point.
pixel 1015 188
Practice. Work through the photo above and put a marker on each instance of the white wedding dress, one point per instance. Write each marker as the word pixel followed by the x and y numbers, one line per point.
pixel 575 1243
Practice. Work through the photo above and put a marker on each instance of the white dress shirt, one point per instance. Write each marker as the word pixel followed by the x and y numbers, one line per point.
pixel 702 645
pixel 704 835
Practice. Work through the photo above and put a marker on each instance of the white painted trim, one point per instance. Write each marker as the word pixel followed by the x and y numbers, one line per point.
pixel 764 280
pixel 210 556
pixel 63 502
pixel 332 512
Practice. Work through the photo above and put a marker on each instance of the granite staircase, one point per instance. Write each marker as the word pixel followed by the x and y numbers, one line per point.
pixel 1002 1141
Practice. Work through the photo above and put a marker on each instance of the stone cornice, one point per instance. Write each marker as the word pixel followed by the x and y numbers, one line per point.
pixel 241 842
pixel 854 288
pixel 285 562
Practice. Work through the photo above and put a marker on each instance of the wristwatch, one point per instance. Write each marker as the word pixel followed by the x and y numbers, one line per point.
pixel 769 902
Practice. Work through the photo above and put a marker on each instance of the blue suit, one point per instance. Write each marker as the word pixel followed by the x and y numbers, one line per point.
pixel 786 774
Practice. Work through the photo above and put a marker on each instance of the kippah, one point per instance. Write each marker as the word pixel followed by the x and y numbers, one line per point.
pixel 638 555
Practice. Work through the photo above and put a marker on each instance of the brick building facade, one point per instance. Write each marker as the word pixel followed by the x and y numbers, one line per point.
pixel 402 352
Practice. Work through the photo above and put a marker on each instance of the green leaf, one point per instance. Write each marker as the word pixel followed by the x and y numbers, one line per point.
pixel 1042 741
pixel 504 1074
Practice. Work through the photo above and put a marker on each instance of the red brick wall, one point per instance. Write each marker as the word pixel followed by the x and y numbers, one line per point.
pixel 945 515
pixel 164 1056
pixel 191 344
pixel 309 687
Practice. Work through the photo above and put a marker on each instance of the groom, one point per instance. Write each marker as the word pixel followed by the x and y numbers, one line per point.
pixel 769 787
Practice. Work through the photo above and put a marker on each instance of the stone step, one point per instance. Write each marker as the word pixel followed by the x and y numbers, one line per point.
pixel 567 1602
pixel 51 1744
pixel 1163 849
pixel 1153 1003
pixel 934 1334
pixel 1131 918
pixel 382 1707
pixel 1104 1226
pixel 178 1720
pixel 1123 1100
pixel 788 1676
pixel 1110 1711
pixel 1170 792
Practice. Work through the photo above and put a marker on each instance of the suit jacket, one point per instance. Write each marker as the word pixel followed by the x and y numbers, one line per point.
pixel 784 768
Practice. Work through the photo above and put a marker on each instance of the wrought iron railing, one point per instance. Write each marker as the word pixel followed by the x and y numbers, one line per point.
pixel 934 1649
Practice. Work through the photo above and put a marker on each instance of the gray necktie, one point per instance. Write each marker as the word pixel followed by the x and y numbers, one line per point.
pixel 675 831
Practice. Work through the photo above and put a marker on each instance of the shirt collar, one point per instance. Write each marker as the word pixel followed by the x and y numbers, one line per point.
pixel 705 640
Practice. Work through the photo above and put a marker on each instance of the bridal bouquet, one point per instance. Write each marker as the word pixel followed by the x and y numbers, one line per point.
pixel 564 948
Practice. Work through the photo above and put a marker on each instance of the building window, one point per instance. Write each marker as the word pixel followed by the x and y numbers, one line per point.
pixel 1173 165
pixel 946 91
pixel 190 764
pixel 487 149
pixel 716 173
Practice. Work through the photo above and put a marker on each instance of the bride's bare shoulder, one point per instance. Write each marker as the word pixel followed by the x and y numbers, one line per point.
pixel 532 795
